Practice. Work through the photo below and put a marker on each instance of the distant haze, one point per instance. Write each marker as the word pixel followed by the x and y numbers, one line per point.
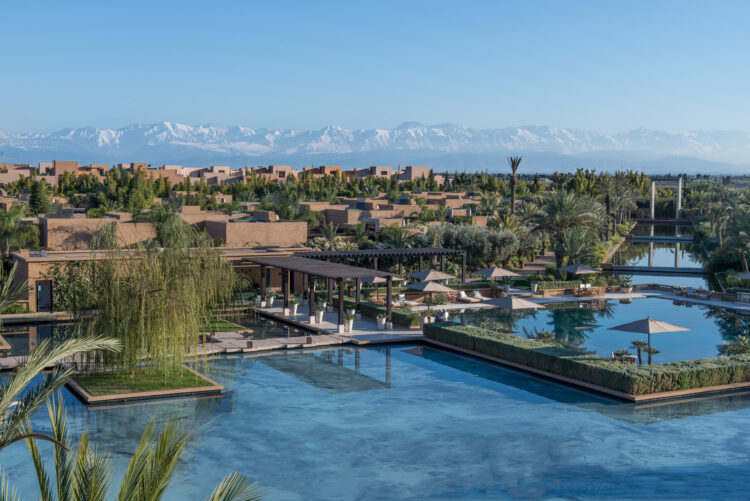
pixel 445 147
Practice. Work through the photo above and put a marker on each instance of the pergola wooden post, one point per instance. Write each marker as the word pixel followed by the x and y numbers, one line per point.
pixel 341 303
pixel 329 286
pixel 375 264
pixel 421 263
pixel 262 283
pixel 442 263
pixel 285 289
pixel 463 267
pixel 388 299
pixel 311 297
pixel 357 287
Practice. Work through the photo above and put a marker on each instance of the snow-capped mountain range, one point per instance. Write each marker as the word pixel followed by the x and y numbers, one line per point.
pixel 445 147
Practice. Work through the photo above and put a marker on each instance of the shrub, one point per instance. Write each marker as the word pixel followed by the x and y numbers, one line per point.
pixel 592 368
pixel 399 316
pixel 559 284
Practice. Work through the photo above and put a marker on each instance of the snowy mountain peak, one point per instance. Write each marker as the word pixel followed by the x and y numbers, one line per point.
pixel 444 144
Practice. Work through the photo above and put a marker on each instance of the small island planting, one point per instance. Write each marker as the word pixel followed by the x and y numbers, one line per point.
pixel 156 299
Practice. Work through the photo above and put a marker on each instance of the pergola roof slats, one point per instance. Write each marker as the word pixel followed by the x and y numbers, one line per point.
pixel 317 268
pixel 365 253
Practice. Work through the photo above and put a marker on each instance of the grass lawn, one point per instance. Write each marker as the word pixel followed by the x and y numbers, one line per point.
pixel 221 325
pixel 110 383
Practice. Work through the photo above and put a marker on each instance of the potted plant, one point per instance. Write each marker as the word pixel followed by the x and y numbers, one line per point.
pixel 319 310
pixel 381 321
pixel 349 322
pixel 293 304
pixel 423 318
pixel 430 314
pixel 533 284
pixel 270 296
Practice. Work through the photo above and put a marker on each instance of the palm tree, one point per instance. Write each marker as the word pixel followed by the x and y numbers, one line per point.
pixel 329 231
pixel 651 351
pixel 16 410
pixel 11 294
pixel 575 244
pixel 398 237
pixel 606 186
pixel 564 210
pixel 740 346
pixel 81 473
pixel 514 163
pixel 639 345
pixel 15 233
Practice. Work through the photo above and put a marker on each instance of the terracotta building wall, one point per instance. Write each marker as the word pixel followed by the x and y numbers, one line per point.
pixel 259 234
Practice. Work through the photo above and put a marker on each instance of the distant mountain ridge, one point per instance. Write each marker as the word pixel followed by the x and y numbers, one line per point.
pixel 445 147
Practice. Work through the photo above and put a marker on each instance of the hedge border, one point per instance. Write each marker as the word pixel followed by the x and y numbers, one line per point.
pixel 594 369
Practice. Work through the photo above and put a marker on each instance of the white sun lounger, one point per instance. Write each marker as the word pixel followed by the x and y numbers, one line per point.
pixel 477 295
pixel 402 299
pixel 466 299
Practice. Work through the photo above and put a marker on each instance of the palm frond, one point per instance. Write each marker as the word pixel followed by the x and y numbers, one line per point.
pixel 7 493
pixel 91 478
pixel 236 487
pixel 14 411
pixel 42 476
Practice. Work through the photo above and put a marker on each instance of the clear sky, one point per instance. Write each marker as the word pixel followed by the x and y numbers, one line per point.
pixel 603 65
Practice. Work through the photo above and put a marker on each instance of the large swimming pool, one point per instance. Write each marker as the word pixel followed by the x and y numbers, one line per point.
pixel 410 422
pixel 586 325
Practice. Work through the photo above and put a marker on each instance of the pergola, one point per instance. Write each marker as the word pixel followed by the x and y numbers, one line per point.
pixel 312 269
pixel 398 254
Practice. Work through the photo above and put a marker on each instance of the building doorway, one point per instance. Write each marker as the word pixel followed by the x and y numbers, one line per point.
pixel 44 295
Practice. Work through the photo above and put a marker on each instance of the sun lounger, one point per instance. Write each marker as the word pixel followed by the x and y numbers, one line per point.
pixel 444 316
pixel 402 299
pixel 466 299
pixel 477 295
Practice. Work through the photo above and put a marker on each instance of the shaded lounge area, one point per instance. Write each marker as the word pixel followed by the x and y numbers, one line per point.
pixel 335 274
pixel 396 255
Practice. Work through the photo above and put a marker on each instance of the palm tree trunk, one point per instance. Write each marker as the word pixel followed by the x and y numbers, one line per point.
pixel 512 194
pixel 743 260
pixel 640 361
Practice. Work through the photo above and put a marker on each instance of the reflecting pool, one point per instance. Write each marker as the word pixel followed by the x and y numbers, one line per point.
pixel 411 422
pixel 585 325
pixel 657 254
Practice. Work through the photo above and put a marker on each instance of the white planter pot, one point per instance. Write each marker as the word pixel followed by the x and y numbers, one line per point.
pixel 294 308
pixel 350 311
pixel 381 323
pixel 324 305
pixel 534 288
pixel 263 304
pixel 318 317
pixel 349 325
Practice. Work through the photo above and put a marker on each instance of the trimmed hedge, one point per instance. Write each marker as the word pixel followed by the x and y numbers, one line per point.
pixel 558 284
pixel 400 316
pixel 594 369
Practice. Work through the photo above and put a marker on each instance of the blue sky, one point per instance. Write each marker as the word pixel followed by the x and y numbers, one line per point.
pixel 603 65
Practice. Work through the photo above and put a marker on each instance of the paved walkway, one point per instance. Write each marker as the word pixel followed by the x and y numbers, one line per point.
pixel 538 265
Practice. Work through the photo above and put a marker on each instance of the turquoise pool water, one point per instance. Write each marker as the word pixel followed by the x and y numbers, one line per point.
pixel 418 423
pixel 586 325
